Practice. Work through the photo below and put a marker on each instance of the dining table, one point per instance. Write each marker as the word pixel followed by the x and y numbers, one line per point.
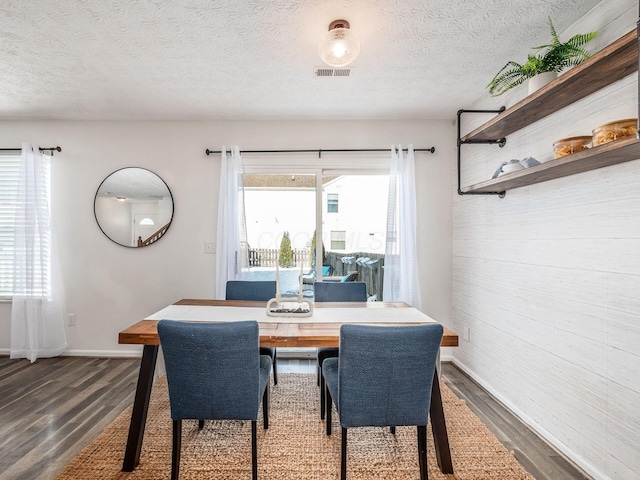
pixel 320 329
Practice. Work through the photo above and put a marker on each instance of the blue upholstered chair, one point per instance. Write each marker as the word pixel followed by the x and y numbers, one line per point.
pixel 335 292
pixel 214 372
pixel 383 377
pixel 262 290
pixel 340 291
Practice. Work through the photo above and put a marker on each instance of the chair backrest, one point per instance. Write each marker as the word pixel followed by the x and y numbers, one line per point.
pixel 213 369
pixel 251 290
pixel 340 291
pixel 386 374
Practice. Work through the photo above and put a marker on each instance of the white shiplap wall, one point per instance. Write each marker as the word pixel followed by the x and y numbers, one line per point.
pixel 548 279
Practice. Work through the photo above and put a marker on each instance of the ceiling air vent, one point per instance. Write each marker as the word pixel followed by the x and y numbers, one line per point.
pixel 332 72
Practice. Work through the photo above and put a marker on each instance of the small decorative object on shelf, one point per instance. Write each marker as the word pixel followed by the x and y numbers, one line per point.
pixel 515 165
pixel 538 81
pixel 568 146
pixel 611 131
pixel 558 57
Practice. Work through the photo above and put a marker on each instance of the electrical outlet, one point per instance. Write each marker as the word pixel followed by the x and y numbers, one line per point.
pixel 71 319
pixel 210 247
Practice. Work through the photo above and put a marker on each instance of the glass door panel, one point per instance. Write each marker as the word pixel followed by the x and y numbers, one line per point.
pixel 354 219
pixel 281 221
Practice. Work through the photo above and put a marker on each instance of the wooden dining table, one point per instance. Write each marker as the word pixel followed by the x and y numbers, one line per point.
pixel 322 329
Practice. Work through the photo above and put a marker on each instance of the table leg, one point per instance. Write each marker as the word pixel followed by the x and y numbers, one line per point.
pixel 439 427
pixel 140 408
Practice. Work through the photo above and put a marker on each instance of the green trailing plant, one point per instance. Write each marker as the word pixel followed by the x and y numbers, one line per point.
pixel 557 57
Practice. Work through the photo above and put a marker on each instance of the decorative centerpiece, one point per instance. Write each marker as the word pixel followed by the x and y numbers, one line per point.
pixel 288 306
pixel 557 57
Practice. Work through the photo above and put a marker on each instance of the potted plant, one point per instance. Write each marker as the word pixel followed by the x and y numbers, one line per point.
pixel 557 57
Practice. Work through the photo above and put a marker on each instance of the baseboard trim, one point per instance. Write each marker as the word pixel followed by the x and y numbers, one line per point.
pixel 296 353
pixel 293 353
pixel 103 353
pixel 90 353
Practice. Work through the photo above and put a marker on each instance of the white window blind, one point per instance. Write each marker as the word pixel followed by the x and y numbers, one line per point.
pixel 9 180
pixel 9 171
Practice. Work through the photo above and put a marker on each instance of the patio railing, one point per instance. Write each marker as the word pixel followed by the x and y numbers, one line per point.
pixel 267 257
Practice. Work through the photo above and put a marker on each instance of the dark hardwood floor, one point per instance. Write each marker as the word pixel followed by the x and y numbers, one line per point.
pixel 51 409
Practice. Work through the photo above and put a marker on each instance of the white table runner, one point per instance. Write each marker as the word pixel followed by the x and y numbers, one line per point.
pixel 200 313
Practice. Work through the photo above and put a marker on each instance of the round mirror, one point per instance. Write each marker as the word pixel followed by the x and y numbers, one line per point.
pixel 133 207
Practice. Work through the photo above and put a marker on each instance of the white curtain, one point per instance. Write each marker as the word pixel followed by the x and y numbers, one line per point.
pixel 232 249
pixel 37 326
pixel 401 282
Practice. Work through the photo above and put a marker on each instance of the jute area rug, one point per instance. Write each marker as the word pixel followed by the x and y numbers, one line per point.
pixel 295 446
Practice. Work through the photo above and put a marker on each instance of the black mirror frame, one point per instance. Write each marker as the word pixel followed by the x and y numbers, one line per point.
pixel 95 198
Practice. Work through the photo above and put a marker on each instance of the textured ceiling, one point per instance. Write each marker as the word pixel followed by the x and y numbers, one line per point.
pixel 250 59
pixel 133 182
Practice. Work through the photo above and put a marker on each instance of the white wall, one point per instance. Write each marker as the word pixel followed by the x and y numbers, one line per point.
pixel 109 287
pixel 115 219
pixel 548 278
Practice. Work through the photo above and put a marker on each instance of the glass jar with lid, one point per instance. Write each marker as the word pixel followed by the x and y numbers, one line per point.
pixel 571 145
pixel 611 131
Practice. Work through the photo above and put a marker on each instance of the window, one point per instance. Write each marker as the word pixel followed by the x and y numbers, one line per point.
pixel 338 240
pixel 9 179
pixel 332 203
pixel 9 171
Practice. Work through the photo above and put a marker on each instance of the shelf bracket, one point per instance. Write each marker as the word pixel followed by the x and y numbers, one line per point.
pixel 501 142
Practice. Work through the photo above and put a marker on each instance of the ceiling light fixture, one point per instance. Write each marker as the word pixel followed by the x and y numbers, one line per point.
pixel 340 46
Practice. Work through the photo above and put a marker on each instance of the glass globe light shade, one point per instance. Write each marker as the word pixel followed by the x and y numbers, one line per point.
pixel 340 46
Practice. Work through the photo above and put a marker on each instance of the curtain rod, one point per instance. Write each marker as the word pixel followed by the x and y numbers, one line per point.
pixel 42 149
pixel 320 151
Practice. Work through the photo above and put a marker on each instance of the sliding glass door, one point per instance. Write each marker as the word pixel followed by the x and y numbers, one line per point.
pixel 292 219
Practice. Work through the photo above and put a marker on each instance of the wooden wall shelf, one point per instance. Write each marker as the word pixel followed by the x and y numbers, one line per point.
pixel 605 67
pixel 612 153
